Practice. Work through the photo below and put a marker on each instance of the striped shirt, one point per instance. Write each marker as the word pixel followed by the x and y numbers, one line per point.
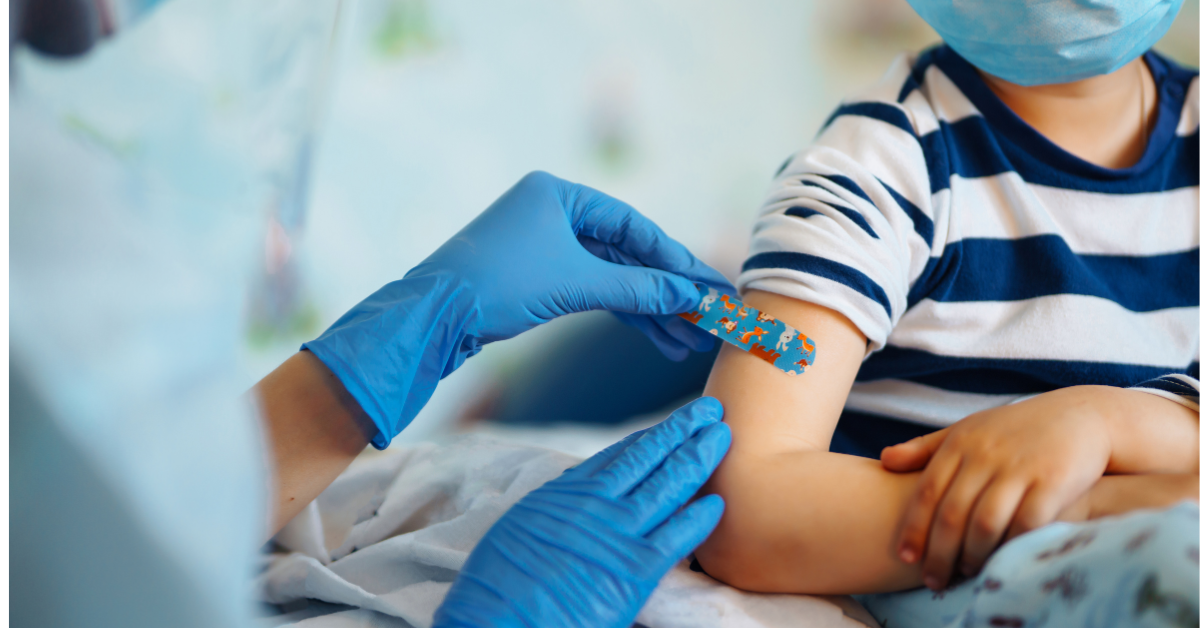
pixel 984 263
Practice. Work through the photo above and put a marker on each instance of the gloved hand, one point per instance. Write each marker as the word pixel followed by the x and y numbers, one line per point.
pixel 549 247
pixel 545 248
pixel 588 548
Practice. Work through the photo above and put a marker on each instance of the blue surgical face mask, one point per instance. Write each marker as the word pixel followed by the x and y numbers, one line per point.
pixel 1036 42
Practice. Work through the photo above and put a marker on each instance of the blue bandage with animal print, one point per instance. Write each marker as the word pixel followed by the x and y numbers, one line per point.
pixel 746 328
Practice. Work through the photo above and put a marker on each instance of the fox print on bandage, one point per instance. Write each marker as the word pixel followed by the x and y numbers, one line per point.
pixel 748 329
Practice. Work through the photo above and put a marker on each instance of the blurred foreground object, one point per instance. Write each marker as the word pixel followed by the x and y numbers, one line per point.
pixel 135 208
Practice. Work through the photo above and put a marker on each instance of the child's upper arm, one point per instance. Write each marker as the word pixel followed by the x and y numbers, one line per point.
pixel 845 236
pixel 771 411
pixel 798 518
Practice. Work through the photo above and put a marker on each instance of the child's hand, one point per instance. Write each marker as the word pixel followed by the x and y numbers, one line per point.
pixel 1009 469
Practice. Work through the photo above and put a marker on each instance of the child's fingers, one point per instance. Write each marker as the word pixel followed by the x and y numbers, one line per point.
pixel 989 521
pixel 914 526
pixel 950 522
pixel 914 454
pixel 1039 508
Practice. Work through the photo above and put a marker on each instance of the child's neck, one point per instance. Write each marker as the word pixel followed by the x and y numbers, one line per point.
pixel 1103 119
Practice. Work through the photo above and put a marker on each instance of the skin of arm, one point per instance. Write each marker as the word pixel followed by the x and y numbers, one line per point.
pixel 314 429
pixel 1117 494
pixel 800 519
pixel 1149 433
pixel 785 529
pixel 1002 472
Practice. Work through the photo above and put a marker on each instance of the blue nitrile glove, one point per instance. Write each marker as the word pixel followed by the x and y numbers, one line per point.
pixel 588 548
pixel 546 248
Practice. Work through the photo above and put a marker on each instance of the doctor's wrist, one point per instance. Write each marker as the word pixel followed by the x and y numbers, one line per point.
pixel 313 429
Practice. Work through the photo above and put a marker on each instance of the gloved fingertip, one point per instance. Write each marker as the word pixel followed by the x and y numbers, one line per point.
pixel 712 443
pixel 706 409
pixel 705 513
pixel 718 281
pixel 680 294
pixel 694 337
pixel 713 502
pixel 718 436
pixel 671 347
pixel 674 353
pixel 687 529
pixel 687 333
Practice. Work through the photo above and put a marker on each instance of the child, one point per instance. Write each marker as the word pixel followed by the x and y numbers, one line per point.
pixel 999 237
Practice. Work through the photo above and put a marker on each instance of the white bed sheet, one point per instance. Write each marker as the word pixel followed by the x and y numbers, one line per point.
pixel 382 544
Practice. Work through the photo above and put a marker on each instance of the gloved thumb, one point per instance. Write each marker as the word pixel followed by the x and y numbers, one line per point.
pixel 638 290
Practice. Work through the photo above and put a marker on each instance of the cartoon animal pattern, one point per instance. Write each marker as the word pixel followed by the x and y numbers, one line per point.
pixel 753 331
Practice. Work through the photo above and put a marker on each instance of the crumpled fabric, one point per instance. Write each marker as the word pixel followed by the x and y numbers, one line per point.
pixel 387 538
pixel 1137 570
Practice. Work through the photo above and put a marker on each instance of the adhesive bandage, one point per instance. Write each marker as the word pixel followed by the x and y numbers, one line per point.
pixel 748 329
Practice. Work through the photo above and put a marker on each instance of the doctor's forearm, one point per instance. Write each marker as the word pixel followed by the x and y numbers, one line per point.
pixel 313 429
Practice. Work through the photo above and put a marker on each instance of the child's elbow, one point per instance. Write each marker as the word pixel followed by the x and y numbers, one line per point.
pixel 723 557
pixel 743 551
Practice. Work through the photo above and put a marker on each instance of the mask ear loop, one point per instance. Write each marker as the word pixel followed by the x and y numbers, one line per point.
pixel 1142 109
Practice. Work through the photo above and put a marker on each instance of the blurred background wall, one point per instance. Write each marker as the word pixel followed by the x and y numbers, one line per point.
pixel 366 132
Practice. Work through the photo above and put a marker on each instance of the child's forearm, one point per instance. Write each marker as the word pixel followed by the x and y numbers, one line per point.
pixel 798 518
pixel 1118 494
pixel 825 523
pixel 1149 434
pixel 809 522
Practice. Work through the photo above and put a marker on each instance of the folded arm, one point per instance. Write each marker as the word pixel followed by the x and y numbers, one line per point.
pixel 803 520
pixel 799 518
pixel 1150 434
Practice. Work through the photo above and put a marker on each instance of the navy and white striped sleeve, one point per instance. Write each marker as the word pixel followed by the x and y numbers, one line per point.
pixel 1181 388
pixel 847 223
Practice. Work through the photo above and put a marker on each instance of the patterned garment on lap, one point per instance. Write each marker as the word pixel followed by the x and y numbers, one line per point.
pixel 1138 570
